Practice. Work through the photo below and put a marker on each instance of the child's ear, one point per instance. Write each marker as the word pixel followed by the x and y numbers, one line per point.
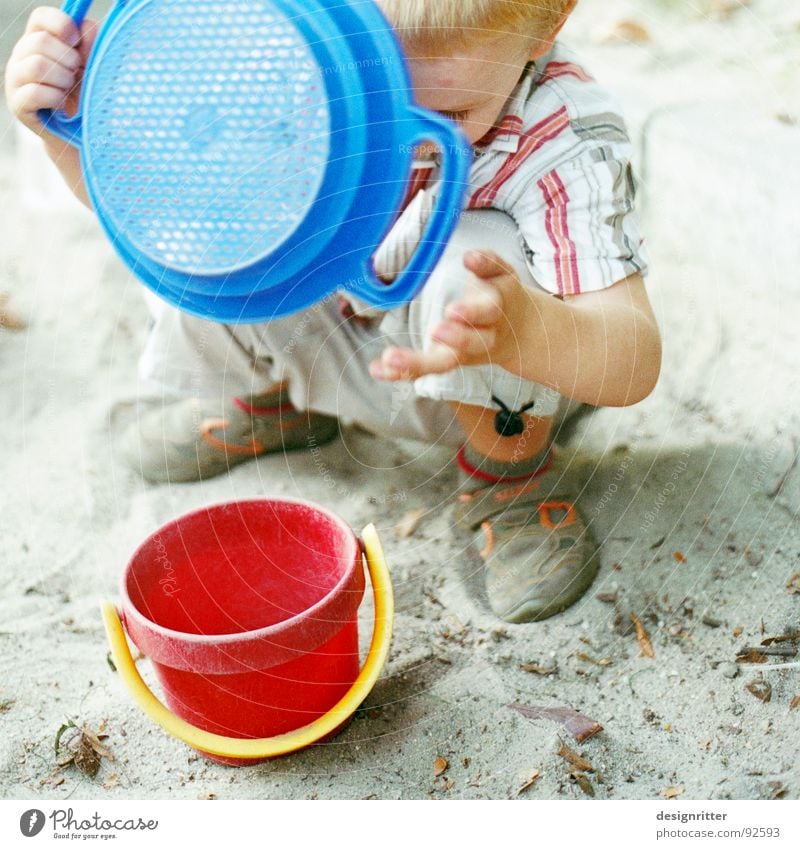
pixel 544 45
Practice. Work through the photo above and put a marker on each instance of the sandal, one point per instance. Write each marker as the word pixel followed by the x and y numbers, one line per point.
pixel 537 553
pixel 195 439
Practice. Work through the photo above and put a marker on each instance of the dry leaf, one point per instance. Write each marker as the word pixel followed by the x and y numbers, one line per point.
pixel 409 523
pixel 439 766
pixel 535 776
pixel 83 748
pixel 673 792
pixel 583 782
pixel 85 758
pixel 794 703
pixel 94 742
pixel 793 637
pixel 642 637
pixel 737 631
pixel 778 789
pixel 628 31
pixel 793 584
pixel 762 690
pixel 607 598
pixel 537 669
pixel 587 658
pixel 679 556
pixel 55 779
pixel 581 727
pixel 751 655
pixel 574 758
pixel 111 781
pixel 9 319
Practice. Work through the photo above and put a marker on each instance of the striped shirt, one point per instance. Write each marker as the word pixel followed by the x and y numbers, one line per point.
pixel 557 162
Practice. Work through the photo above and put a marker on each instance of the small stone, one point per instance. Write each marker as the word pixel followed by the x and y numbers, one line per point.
pixel 728 669
pixel 754 558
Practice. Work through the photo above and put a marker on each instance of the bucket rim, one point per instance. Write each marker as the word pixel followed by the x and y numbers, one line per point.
pixel 129 609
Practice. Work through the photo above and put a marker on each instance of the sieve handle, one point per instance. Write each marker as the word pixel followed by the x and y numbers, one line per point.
pixel 282 744
pixel 57 121
pixel 456 153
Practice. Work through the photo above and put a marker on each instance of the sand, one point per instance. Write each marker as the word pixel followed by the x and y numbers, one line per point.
pixel 693 493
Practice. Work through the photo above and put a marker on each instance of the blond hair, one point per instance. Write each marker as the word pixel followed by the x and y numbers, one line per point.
pixel 433 19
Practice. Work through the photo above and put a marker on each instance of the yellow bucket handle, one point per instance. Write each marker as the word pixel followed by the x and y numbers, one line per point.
pixel 282 744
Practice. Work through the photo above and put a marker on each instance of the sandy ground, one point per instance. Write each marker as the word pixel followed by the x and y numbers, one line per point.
pixel 693 494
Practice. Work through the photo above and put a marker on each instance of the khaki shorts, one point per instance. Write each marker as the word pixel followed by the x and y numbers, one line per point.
pixel 325 358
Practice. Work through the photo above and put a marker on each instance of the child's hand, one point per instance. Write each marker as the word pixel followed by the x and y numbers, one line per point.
pixel 486 326
pixel 45 70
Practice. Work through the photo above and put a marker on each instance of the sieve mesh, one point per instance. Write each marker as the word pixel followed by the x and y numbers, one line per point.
pixel 209 132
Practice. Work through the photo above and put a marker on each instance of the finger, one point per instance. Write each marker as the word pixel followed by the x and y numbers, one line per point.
pixel 41 43
pixel 487 264
pixel 406 364
pixel 471 345
pixel 481 306
pixel 28 100
pixel 57 23
pixel 41 70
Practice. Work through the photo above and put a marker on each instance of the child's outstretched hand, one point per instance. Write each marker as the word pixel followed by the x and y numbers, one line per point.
pixel 485 326
pixel 45 69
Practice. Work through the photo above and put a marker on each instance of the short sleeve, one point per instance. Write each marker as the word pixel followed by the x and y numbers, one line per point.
pixel 578 224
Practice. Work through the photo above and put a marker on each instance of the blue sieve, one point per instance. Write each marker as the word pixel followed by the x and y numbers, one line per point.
pixel 247 158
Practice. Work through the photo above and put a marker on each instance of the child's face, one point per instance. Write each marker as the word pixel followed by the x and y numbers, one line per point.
pixel 470 84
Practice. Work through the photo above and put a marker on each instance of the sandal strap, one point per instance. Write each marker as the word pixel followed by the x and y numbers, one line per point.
pixel 474 508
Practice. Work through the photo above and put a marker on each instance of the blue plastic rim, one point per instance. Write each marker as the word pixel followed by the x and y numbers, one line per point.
pixel 247 158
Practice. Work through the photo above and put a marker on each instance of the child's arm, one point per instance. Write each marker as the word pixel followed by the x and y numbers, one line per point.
pixel 45 71
pixel 603 348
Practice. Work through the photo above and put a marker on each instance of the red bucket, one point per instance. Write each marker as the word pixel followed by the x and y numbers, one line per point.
pixel 248 612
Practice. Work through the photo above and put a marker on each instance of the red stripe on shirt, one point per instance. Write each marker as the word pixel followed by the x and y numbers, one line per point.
pixel 565 259
pixel 510 125
pixel 564 69
pixel 420 177
pixel 530 142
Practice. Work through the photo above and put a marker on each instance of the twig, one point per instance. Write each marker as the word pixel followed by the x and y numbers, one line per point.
pixel 761 667
pixel 777 650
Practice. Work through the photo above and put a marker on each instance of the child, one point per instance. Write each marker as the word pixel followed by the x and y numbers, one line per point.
pixel 539 297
